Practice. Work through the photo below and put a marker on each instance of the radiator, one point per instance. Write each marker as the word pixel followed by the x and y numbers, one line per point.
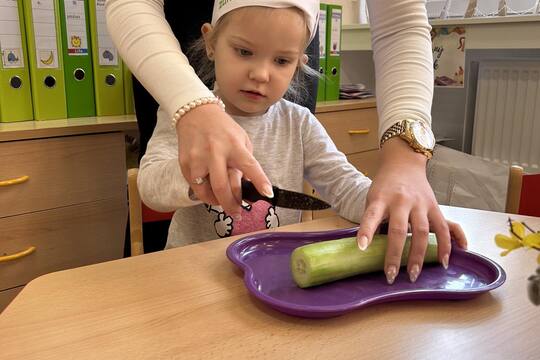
pixel 507 113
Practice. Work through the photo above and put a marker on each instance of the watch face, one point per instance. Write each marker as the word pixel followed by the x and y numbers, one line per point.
pixel 423 135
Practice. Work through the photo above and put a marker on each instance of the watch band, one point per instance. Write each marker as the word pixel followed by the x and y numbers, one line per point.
pixel 394 130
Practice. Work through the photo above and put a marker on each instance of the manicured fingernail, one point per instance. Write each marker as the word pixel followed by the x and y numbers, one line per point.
pixel 391 273
pixel 268 191
pixel 362 242
pixel 413 274
pixel 445 260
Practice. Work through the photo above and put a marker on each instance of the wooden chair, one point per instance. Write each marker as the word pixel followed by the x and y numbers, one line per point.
pixel 139 213
pixel 523 196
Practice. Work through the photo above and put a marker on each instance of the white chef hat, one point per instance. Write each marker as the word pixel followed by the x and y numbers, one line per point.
pixel 310 9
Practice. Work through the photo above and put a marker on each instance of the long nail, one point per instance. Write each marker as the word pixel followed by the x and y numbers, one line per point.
pixel 362 242
pixel 413 274
pixel 268 191
pixel 445 260
pixel 391 273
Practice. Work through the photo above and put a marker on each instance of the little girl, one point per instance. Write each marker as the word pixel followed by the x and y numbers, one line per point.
pixel 257 49
pixel 256 52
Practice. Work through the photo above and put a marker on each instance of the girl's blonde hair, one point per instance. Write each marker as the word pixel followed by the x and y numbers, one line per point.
pixel 204 67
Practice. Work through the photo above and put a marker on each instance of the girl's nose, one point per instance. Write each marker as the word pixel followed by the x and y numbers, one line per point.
pixel 259 72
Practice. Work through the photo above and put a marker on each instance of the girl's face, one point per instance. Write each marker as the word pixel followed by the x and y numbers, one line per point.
pixel 256 54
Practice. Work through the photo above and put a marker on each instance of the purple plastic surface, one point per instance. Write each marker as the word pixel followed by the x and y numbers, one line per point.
pixel 265 260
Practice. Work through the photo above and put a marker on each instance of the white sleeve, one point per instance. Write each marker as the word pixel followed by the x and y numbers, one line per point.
pixel 403 58
pixel 328 171
pixel 148 46
pixel 160 181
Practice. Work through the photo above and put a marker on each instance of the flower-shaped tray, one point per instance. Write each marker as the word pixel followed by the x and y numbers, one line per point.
pixel 265 260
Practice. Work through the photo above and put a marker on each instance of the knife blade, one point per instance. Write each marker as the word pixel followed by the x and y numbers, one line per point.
pixel 283 198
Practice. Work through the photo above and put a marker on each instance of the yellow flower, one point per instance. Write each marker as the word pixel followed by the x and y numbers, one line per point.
pixel 508 243
pixel 532 240
pixel 518 239
pixel 518 229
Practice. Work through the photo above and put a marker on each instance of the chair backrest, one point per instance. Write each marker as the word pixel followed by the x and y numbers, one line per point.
pixel 523 195
pixel 515 178
pixel 139 213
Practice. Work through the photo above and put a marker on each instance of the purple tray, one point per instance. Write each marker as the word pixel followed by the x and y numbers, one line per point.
pixel 264 258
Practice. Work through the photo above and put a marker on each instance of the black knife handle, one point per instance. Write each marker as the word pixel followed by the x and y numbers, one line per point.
pixel 250 193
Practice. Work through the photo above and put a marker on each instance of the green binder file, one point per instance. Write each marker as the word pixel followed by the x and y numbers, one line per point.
pixel 15 92
pixel 42 23
pixel 78 70
pixel 333 51
pixel 108 73
pixel 321 90
pixel 128 91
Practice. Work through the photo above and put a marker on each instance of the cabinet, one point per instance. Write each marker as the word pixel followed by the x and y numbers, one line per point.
pixel 63 196
pixel 353 126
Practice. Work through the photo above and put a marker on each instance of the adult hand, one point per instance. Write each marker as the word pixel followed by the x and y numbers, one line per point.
pixel 211 143
pixel 401 194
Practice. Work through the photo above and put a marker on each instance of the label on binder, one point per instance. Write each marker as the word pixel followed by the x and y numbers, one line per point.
pixel 335 44
pixel 44 22
pixel 10 35
pixel 77 41
pixel 107 52
pixel 322 34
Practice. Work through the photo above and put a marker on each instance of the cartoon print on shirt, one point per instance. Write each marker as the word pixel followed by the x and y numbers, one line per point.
pixel 272 220
pixel 256 216
pixel 223 225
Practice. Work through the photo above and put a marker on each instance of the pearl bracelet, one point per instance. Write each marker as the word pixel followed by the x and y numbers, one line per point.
pixel 193 104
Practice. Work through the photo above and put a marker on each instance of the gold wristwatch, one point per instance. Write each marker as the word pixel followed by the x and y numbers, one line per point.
pixel 418 135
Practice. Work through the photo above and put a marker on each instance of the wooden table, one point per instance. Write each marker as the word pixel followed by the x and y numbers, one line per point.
pixel 190 303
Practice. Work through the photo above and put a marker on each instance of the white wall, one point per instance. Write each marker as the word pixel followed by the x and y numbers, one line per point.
pixel 358 67
pixel 350 10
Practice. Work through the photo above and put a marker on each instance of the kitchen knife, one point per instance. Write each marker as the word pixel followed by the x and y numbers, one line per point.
pixel 283 198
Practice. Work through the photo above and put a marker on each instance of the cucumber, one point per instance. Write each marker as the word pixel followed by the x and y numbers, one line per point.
pixel 327 261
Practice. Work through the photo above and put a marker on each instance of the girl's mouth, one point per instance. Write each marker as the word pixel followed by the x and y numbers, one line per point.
pixel 252 94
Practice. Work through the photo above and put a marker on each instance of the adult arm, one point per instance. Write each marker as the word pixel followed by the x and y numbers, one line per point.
pixel 211 142
pixel 400 192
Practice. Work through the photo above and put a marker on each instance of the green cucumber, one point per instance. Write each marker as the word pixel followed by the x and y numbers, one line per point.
pixel 327 261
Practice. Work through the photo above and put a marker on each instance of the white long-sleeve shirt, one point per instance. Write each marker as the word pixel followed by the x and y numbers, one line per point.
pixel 289 143
pixel 401 51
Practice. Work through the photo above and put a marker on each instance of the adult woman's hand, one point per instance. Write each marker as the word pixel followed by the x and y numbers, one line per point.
pixel 401 194
pixel 210 144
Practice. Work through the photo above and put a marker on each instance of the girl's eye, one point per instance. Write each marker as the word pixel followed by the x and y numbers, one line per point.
pixel 282 61
pixel 243 52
